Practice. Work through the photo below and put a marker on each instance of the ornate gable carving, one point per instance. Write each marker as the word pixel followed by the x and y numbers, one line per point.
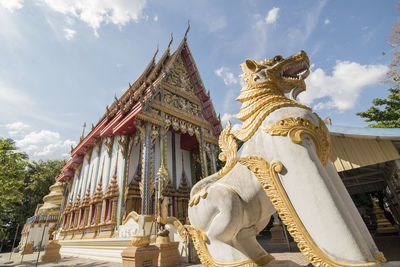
pixel 182 104
pixel 179 77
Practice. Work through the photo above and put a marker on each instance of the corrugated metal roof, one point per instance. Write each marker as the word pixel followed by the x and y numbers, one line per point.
pixel 350 152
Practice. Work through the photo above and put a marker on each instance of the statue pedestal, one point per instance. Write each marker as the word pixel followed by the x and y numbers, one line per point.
pixel 140 256
pixel 28 248
pixel 169 254
pixel 52 252
pixel 277 235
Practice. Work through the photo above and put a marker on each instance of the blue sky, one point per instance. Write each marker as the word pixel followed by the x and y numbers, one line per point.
pixel 62 62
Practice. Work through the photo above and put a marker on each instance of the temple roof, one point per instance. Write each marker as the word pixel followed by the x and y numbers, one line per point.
pixel 143 94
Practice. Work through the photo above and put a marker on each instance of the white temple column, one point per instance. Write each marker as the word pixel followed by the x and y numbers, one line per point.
pixel 106 174
pixel 100 170
pixel 78 176
pixel 121 174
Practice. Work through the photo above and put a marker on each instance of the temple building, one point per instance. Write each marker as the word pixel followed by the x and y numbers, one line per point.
pixel 159 138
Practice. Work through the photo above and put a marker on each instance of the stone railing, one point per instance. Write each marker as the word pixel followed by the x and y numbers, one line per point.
pixel 42 218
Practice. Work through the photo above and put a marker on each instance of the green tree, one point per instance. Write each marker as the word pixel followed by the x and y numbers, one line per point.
pixel 40 176
pixel 13 166
pixel 385 112
pixel 22 187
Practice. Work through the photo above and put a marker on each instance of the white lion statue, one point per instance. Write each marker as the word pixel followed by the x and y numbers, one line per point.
pixel 284 166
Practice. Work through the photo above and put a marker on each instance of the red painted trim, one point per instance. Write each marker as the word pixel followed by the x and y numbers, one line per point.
pixel 128 120
pixel 108 128
pixel 60 178
pixel 69 173
pixel 88 141
pixel 207 107
pixel 68 165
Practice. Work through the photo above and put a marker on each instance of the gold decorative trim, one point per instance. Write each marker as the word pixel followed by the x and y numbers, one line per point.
pixel 123 142
pixel 195 199
pixel 199 241
pixel 109 145
pixel 203 193
pixel 140 241
pixel 380 257
pixel 172 89
pixel 98 146
pixel 175 112
pixel 156 120
pixel 267 175
pixel 228 150
pixel 294 128
pixel 179 227
pixel 135 216
pixel 140 129
pixel 88 155
pixel 264 260
pixel 257 110
pixel 155 131
pixel 132 215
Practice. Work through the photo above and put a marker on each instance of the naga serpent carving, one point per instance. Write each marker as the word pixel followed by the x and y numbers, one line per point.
pixel 284 166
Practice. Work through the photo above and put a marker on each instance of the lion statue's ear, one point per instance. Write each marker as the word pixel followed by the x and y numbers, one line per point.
pixel 252 65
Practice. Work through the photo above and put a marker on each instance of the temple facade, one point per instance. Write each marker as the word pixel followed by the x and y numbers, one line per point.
pixel 158 139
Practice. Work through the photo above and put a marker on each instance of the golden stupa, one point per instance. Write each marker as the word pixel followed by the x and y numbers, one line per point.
pixel 52 201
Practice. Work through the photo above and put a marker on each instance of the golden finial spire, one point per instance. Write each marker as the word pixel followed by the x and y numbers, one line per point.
pixel 83 132
pixel 155 54
pixel 170 42
pixel 187 30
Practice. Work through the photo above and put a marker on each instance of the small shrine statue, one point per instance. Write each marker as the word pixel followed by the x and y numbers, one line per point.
pixel 162 217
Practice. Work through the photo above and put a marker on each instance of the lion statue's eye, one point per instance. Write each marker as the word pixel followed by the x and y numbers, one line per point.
pixel 278 58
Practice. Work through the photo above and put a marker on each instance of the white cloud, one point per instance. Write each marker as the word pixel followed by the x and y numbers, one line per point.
pixel 16 129
pixel 17 126
pixel 225 118
pixel 327 21
pixel 96 12
pixel 228 77
pixel 229 117
pixel 69 33
pixel 341 89
pixel 44 144
pixel 155 19
pixel 11 5
pixel 272 15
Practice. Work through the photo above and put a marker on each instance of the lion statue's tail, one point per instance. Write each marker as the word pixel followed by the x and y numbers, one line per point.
pixel 204 182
